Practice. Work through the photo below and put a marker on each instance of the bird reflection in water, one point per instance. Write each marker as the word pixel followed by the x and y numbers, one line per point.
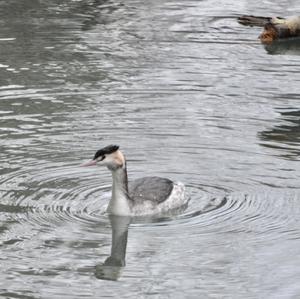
pixel 113 266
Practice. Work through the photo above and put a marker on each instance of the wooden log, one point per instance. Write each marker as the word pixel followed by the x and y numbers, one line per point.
pixel 274 28
pixel 254 20
pixel 282 29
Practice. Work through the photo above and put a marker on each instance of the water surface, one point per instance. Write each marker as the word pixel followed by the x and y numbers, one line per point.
pixel 187 93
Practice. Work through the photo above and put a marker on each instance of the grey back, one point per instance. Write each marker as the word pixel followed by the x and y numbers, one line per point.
pixel 154 189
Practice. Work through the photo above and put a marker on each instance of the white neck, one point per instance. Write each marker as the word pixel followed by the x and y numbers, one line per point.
pixel 119 203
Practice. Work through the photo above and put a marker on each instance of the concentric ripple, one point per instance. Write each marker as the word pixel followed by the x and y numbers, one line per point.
pixel 52 196
pixel 55 195
pixel 266 214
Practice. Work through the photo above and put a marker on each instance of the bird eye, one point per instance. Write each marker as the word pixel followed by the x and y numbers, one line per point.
pixel 102 158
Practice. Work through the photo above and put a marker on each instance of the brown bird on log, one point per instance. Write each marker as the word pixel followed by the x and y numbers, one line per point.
pixel 274 27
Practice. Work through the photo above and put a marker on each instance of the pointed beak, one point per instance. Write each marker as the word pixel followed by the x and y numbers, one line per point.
pixel 89 163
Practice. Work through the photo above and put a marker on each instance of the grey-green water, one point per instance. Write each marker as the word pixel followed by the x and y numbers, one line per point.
pixel 188 94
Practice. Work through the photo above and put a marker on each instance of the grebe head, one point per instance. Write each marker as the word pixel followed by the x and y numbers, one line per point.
pixel 109 156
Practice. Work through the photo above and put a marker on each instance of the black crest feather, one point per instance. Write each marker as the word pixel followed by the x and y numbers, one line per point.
pixel 106 151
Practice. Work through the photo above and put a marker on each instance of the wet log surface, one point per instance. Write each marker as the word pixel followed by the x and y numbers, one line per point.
pixel 273 28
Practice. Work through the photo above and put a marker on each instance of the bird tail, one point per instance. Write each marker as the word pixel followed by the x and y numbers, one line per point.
pixel 253 20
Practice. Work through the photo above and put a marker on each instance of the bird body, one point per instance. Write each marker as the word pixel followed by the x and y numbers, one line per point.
pixel 144 196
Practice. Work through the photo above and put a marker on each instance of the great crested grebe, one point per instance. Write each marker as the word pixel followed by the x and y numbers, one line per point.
pixel 144 196
pixel 274 27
